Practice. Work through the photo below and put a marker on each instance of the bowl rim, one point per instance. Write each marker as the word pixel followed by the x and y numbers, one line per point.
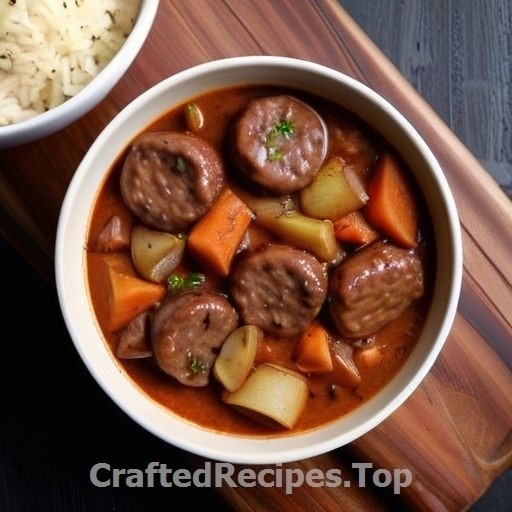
pixel 94 92
pixel 224 447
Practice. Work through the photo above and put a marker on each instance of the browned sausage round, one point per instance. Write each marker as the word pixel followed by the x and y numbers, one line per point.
pixel 279 288
pixel 280 143
pixel 186 332
pixel 372 287
pixel 170 179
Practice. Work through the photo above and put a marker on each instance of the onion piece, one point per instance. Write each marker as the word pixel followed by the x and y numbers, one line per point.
pixel 272 395
pixel 115 236
pixel 344 366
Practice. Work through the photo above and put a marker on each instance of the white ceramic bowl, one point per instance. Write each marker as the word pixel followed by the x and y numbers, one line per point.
pixel 61 116
pixel 73 227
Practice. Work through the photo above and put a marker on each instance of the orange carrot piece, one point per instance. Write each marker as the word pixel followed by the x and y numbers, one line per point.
pixel 354 229
pixel 392 207
pixel 123 294
pixel 312 352
pixel 217 235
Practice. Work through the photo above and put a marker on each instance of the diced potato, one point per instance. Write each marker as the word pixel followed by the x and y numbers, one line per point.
pixel 335 192
pixel 279 216
pixel 236 357
pixel 272 395
pixel 155 254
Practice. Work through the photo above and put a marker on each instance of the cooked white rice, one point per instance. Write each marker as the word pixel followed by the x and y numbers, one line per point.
pixel 51 49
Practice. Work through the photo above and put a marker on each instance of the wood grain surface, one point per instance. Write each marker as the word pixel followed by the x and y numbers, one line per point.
pixel 454 433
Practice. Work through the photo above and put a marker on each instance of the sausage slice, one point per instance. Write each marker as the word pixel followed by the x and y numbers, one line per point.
pixel 280 143
pixel 170 179
pixel 187 331
pixel 279 289
pixel 372 287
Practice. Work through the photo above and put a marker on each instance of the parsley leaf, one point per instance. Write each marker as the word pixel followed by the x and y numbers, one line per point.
pixel 195 365
pixel 283 129
pixel 177 283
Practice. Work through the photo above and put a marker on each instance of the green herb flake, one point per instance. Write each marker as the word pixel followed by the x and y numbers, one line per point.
pixel 181 164
pixel 177 283
pixel 194 279
pixel 195 365
pixel 274 154
pixel 283 129
pixel 193 117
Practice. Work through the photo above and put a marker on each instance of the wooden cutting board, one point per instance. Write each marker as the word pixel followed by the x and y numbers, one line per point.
pixel 454 434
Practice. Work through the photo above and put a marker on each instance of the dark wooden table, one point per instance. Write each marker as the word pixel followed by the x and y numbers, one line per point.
pixel 56 423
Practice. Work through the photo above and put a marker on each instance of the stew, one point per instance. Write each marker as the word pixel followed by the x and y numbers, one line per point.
pixel 259 260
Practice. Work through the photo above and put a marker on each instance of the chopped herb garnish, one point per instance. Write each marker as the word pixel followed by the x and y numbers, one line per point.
pixel 274 154
pixel 285 129
pixel 193 117
pixel 195 365
pixel 181 164
pixel 176 283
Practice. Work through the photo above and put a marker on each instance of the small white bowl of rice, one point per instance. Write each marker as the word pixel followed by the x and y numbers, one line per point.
pixel 60 58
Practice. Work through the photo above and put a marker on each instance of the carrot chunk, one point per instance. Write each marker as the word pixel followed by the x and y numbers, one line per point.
pixel 312 352
pixel 392 207
pixel 124 295
pixel 217 235
pixel 354 229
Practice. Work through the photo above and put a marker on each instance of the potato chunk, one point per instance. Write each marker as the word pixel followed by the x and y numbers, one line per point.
pixel 335 192
pixel 236 357
pixel 279 216
pixel 272 395
pixel 155 254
